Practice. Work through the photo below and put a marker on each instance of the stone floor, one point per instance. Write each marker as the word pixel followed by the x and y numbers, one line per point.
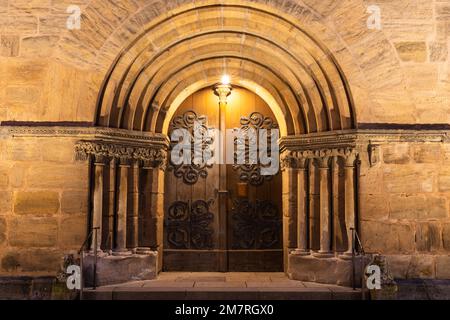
pixel 222 286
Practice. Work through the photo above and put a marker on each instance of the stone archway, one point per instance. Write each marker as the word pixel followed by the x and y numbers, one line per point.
pixel 298 77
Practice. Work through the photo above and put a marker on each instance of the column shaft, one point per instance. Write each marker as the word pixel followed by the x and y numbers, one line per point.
pixel 325 219
pixel 134 218
pixel 302 209
pixel 350 200
pixel 97 215
pixel 122 209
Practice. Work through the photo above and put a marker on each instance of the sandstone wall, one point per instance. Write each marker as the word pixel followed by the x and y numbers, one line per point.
pixel 48 73
pixel 405 211
pixel 398 74
pixel 43 204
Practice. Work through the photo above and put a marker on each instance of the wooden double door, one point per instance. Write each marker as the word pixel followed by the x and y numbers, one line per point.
pixel 200 234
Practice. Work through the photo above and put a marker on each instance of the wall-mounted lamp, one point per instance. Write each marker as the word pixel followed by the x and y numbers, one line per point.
pixel 223 89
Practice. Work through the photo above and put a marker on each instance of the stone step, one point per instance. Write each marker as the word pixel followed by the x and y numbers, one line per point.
pixel 195 293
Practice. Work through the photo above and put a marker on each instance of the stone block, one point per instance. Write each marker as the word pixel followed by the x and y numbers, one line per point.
pixel 52 24
pixel 399 265
pixel 409 207
pixel 33 232
pixel 371 181
pixel 74 202
pixel 443 267
pixel 41 288
pixel 58 176
pixel 444 183
pixel 421 76
pixel 3 6
pixel 29 6
pixel 412 51
pixel 58 150
pixel 23 150
pixel 438 51
pixel 327 271
pixel 19 24
pixel 116 269
pixel 15 288
pixel 437 208
pixel 32 260
pixel 421 267
pixel 36 203
pixel 374 207
pixel 9 45
pixel 428 237
pixel 38 46
pixel 2 230
pixel 72 232
pixel 4 177
pixel 18 96
pixel 386 238
pixel 446 236
pixel 408 179
pixel 409 10
pixel 427 153
pixel 6 202
pixel 396 154
pixel 17 174
pixel 27 72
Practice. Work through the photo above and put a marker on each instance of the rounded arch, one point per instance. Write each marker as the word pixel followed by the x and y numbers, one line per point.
pixel 247 84
pixel 274 53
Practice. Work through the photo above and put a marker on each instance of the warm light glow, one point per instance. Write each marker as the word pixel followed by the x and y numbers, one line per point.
pixel 225 79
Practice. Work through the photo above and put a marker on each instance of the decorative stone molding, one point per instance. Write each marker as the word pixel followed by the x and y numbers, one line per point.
pixel 356 138
pixel 87 133
pixel 105 151
pixel 298 159
pixel 318 142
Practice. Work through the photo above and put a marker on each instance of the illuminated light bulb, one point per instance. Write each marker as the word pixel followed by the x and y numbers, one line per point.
pixel 225 79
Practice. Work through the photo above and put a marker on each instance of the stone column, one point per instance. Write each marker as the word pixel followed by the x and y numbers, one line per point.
pixel 147 227
pixel 350 158
pixel 122 198
pixel 97 215
pixel 108 242
pixel 134 217
pixel 289 207
pixel 302 207
pixel 325 219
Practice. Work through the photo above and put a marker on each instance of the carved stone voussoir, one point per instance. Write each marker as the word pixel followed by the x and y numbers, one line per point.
pixel 151 156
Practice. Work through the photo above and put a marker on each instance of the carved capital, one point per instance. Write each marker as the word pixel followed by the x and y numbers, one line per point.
pixel 288 161
pixel 302 163
pixel 100 159
pixel 350 156
pixel 126 154
pixel 323 158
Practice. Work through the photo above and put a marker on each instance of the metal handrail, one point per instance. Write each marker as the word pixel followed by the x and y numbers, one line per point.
pixel 357 247
pixel 81 253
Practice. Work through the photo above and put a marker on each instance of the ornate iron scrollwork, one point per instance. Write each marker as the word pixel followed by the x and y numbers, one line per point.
pixel 250 172
pixel 256 225
pixel 189 225
pixel 197 127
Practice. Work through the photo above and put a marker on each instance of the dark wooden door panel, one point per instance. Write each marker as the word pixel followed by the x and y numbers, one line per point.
pixel 193 228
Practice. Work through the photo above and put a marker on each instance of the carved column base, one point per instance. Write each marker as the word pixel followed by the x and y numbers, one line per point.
pixel 323 255
pixel 100 253
pixel 144 251
pixel 300 252
pixel 122 253
pixel 346 256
